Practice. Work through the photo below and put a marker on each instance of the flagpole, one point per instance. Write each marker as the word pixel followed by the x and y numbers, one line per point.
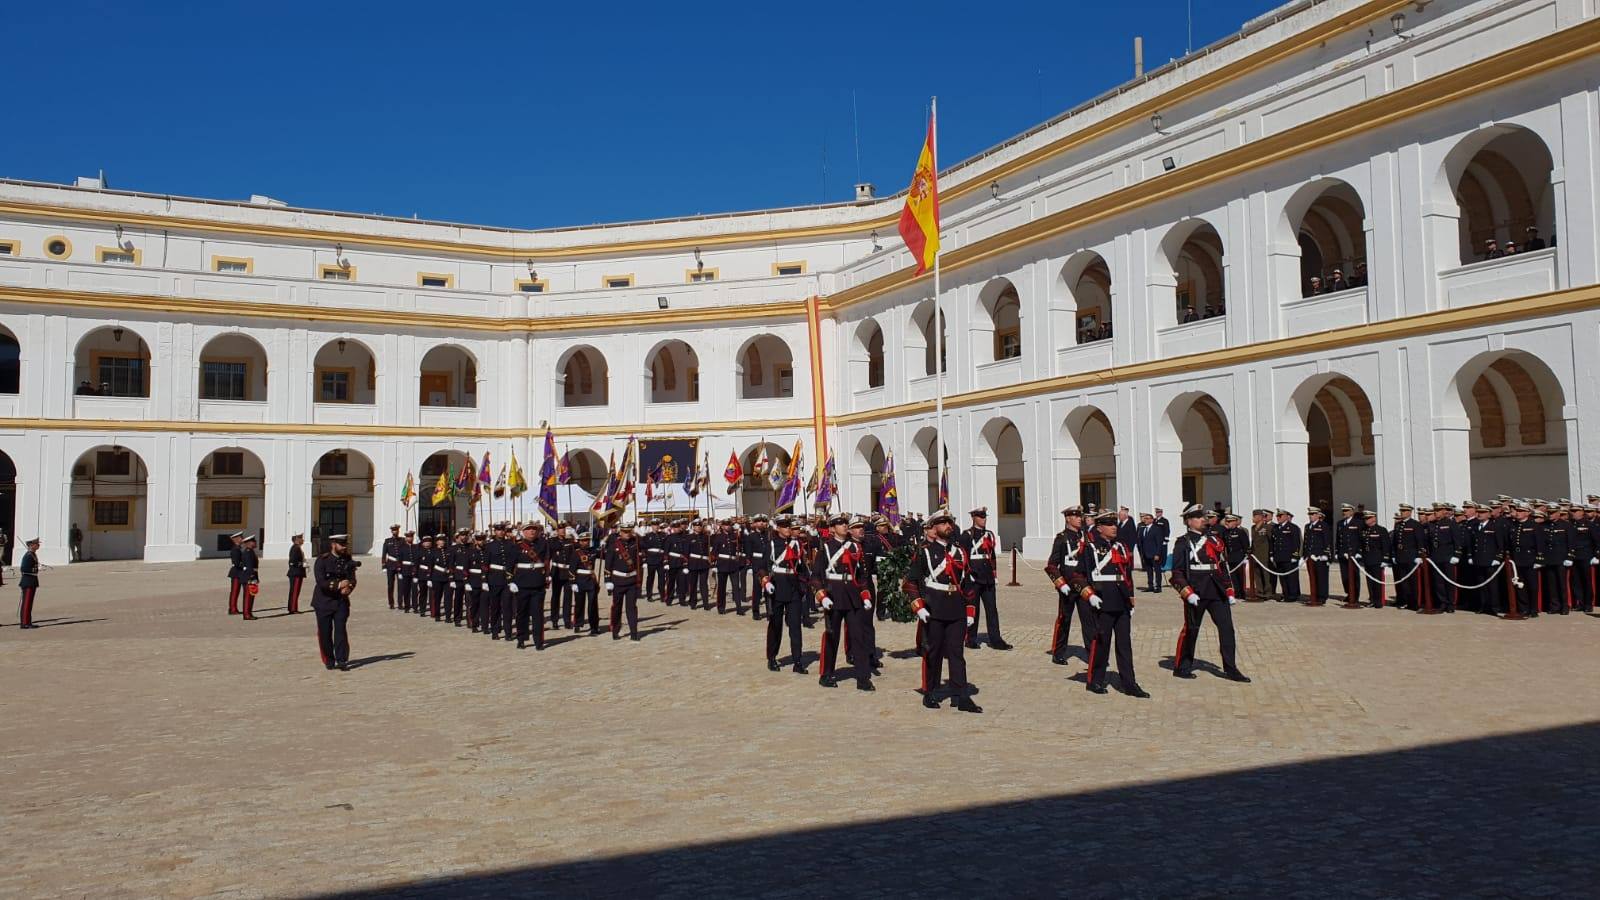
pixel 938 317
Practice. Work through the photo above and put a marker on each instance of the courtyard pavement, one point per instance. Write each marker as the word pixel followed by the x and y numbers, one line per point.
pixel 156 747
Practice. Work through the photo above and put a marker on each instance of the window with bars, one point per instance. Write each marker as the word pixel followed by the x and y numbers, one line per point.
pixel 121 376
pixel 334 387
pixel 227 512
pixel 223 380
pixel 334 464
pixel 227 464
pixel 112 513
pixel 109 463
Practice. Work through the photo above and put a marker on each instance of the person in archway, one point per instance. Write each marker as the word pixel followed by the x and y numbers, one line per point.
pixel 1533 241
pixel 297 571
pixel 28 583
pixel 1152 547
pixel 249 577
pixel 234 585
pixel 75 542
pixel 1199 575
pixel 335 574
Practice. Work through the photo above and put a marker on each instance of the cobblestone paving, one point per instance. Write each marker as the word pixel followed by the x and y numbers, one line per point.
pixel 155 746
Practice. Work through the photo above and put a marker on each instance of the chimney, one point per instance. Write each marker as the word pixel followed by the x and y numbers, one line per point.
pixel 865 191
pixel 90 182
pixel 1138 56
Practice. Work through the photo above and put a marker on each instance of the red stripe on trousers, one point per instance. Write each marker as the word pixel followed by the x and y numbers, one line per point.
pixel 1177 656
pixel 1094 647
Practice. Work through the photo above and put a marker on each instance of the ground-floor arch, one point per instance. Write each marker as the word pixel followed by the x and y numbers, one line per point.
pixel 341 499
pixel 1086 459
pixel 230 496
pixel 109 508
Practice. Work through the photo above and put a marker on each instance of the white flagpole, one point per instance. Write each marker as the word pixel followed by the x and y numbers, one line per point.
pixel 938 316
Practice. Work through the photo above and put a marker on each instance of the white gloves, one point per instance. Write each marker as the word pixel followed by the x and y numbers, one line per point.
pixel 971 621
pixel 1566 563
pixel 1233 601
pixel 827 603
pixel 1193 598
pixel 922 615
pixel 866 604
pixel 1417 561
pixel 1594 561
pixel 767 588
pixel 1538 565
pixel 452 585
pixel 1065 589
pixel 1455 560
pixel 1095 601
pixel 514 587
pixel 610 587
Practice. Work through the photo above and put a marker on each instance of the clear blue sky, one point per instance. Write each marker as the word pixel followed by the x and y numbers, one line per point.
pixel 533 114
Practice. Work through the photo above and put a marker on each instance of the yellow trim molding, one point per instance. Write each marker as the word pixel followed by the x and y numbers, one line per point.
pixel 539 285
pixel 701 276
pixel 798 266
pixel 135 256
pixel 341 273
pixel 617 281
pixel 446 281
pixel 10 247
pixel 249 263
pixel 66 242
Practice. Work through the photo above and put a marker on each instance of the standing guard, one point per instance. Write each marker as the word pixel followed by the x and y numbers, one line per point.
pixel 335 573
pixel 653 543
pixel 623 560
pixel 1199 575
pixel 526 589
pixel 28 583
pixel 728 557
pixel 981 544
pixel 1063 561
pixel 1581 550
pixel 1236 539
pixel 297 571
pixel 939 584
pixel 1370 557
pixel 391 560
pixel 233 571
pixel 1284 550
pixel 756 543
pixel 785 592
pixel 1317 542
pixel 458 559
pixel 1347 537
pixel 249 577
pixel 585 585
pixel 1405 550
pixel 1104 578
pixel 500 562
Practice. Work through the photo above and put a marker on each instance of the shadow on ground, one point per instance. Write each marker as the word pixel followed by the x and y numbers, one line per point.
pixel 1517 815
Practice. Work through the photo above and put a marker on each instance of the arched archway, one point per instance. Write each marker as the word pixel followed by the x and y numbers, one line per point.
pixel 868 350
pixel 1328 222
pixel 110 487
pixel 997 330
pixel 341 500
pixel 1086 458
pixel 453 511
pixel 10 365
pixel 1001 450
pixel 1339 454
pixel 8 507
pixel 672 373
pixel 766 369
pixel 233 367
pixel 1517 439
pixel 230 495
pixel 112 361
pixel 449 377
pixel 1192 252
pixel 867 477
pixel 922 470
pixel 920 340
pixel 1193 453
pixel 1085 281
pixel 756 492
pixel 585 377
pixel 1500 179
pixel 345 371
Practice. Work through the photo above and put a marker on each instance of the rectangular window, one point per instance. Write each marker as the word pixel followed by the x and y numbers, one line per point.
pixel 223 380
pixel 227 513
pixel 617 281
pixel 434 280
pixel 530 286
pixel 789 268
pixel 110 463
pixel 112 513
pixel 1010 499
pixel 227 463
pixel 8 248
pixel 333 386
pixel 117 256
pixel 330 272
pixel 699 276
pixel 334 464
pixel 121 376
pixel 1009 345
pixel 233 265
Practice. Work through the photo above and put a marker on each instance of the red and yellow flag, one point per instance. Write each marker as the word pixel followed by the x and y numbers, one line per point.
pixel 919 221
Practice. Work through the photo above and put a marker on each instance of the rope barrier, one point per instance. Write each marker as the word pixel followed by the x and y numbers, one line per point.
pixel 1263 567
pixel 1469 587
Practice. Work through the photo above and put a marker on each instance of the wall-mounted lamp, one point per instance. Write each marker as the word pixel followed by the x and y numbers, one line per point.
pixel 1398 23
pixel 1155 123
pixel 532 275
pixel 661 303
pixel 994 190
pixel 116 334
pixel 119 235
pixel 875 245
pixel 341 346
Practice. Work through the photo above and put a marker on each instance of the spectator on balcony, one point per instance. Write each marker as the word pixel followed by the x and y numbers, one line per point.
pixel 1533 241
pixel 1358 278
pixel 1491 250
pixel 1189 315
pixel 1511 247
pixel 1210 313
pixel 85 389
pixel 1315 287
pixel 1336 282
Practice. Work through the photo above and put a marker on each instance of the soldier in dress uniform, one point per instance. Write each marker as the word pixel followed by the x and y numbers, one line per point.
pixel 1104 578
pixel 28 583
pixel 653 544
pixel 981 545
pixel 1062 561
pixel 297 571
pixel 585 560
pixel 1405 551
pixel 233 571
pixel 784 589
pixel 528 572
pixel 1317 542
pixel 1370 555
pixel 335 574
pixel 1263 586
pixel 461 604
pixel 845 602
pixel 422 567
pixel 1439 549
pixel 1581 550
pixel 754 544
pixel 623 560
pixel 1236 539
pixel 1199 575
pixel 1525 549
pixel 867 568
pixel 391 560
pixel 728 557
pixel 1346 546
pixel 249 576
pixel 560 564
pixel 499 564
pixel 439 592
pixel 406 584
pixel 1558 559
pixel 477 587
pixel 1485 551
pixel 939 584
pixel 697 557
pixel 1284 545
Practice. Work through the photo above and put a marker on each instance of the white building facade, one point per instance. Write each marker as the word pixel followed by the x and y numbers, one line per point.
pixel 1126 306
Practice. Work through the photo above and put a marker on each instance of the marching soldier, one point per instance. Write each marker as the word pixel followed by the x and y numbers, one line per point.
pixel 1317 543
pixel 1370 555
pixel 623 559
pixel 585 586
pixel 297 571
pixel 560 564
pixel 335 573
pixel 1346 547
pixel 500 562
pixel 939 584
pixel 1284 543
pixel 755 543
pixel 846 604
pixel 653 543
pixel 422 558
pixel 233 571
pixel 697 565
pixel 980 544
pixel 727 556
pixel 391 560
pixel 785 594
pixel 477 593
pixel 1104 578
pixel 867 568
pixel 28 584
pixel 676 545
pixel 526 588
pixel 249 576
pixel 1199 575
pixel 1063 560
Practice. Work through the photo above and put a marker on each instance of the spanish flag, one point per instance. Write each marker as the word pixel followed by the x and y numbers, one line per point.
pixel 919 221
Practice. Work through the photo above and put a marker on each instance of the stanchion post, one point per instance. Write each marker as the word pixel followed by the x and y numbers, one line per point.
pixel 1427 589
pixel 1014 582
pixel 1513 610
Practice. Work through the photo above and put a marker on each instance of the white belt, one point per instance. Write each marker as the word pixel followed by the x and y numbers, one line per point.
pixel 388 557
pixel 1199 568
pixel 758 553
pixel 438 568
pixel 780 570
pixel 497 567
pixel 1107 578
pixel 938 585
pixel 675 554
pixel 838 577
pixel 408 563
pixel 527 565
pixel 557 565
pixel 476 571
pixel 652 550
pixel 696 556
pixel 620 573
pixel 583 571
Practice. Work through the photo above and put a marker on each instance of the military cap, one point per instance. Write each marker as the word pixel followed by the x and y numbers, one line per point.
pixel 32 542
pixel 1540 514
pixel 1106 518
pixel 980 512
pixel 625 526
pixel 1313 511
pixel 339 538
pixel 1072 511
pixel 840 519
pixel 858 522
pixel 441 537
pixel 1370 514
pixel 298 534
pixel 249 538
pixel 1231 516
pixel 237 534
pixel 1406 507
pixel 1345 506
pixel 939 516
pixel 394 527
pixel 1284 512
pixel 1213 514
pixel 1192 510
pixel 411 534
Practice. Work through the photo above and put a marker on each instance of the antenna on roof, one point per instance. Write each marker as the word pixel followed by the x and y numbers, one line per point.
pixel 855 114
